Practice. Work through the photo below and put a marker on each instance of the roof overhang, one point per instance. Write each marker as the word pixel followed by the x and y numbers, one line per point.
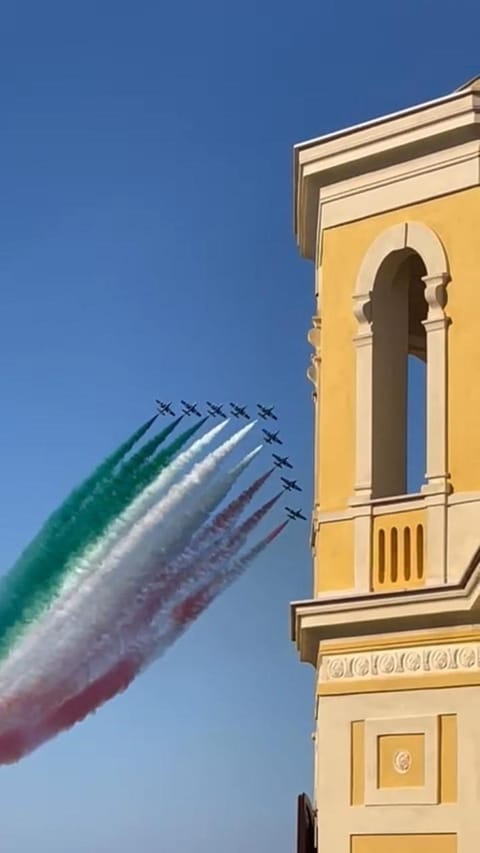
pixel 391 140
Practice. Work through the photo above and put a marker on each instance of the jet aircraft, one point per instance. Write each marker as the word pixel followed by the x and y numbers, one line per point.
pixel 239 411
pixel 164 408
pixel 293 514
pixel 266 412
pixel 288 485
pixel 272 437
pixel 190 409
pixel 281 461
pixel 215 411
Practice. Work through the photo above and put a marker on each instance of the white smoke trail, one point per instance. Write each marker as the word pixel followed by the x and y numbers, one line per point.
pixel 184 578
pixel 59 632
pixel 168 626
pixel 118 611
pixel 141 656
pixel 78 570
pixel 197 555
pixel 176 578
pixel 118 528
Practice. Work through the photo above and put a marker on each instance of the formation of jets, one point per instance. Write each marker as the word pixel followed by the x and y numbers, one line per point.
pixel 190 409
pixel 164 408
pixel 272 437
pixel 281 461
pixel 293 514
pixel 266 412
pixel 239 411
pixel 214 410
pixel 290 485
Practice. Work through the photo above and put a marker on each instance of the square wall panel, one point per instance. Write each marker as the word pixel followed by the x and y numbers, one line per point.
pixel 401 761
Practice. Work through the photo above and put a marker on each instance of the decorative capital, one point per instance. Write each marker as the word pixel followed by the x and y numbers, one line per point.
pixel 436 295
pixel 362 308
pixel 315 334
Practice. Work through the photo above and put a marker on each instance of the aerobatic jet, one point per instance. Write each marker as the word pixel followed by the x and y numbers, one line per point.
pixel 281 461
pixel 190 409
pixel 293 514
pixel 215 411
pixel 288 485
pixel 266 412
pixel 272 437
pixel 239 411
pixel 164 408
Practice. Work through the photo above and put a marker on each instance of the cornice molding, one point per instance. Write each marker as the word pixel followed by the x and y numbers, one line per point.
pixel 334 174
pixel 340 616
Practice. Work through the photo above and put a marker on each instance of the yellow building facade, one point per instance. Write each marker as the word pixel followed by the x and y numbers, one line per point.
pixel 389 213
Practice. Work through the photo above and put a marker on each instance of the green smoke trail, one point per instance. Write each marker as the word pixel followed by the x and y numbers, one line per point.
pixel 69 509
pixel 131 481
pixel 29 585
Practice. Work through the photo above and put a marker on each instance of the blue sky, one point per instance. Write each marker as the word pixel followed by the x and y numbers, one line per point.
pixel 146 249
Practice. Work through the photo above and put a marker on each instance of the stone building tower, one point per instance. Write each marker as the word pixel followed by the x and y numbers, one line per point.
pixel 389 212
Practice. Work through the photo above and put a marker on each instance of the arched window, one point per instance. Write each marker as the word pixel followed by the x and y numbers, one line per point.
pixel 399 302
pixel 399 310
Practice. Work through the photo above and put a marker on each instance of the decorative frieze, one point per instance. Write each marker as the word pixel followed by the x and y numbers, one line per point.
pixel 405 662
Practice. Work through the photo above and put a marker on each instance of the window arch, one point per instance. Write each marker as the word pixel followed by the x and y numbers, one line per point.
pixel 399 302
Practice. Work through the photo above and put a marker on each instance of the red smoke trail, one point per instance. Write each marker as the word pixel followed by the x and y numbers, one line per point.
pixel 191 607
pixel 161 592
pixel 232 511
pixel 156 596
pixel 16 743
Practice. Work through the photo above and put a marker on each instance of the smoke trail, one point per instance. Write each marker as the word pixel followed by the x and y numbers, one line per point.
pixel 150 606
pixel 125 559
pixel 32 588
pixel 119 606
pixel 66 513
pixel 151 609
pixel 138 508
pixel 191 607
pixel 159 580
pixel 73 503
pixel 195 562
pixel 226 518
pixel 219 557
pixel 16 743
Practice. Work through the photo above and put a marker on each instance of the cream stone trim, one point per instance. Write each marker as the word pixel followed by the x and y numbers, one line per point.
pixel 436 326
pixel 315 340
pixel 347 616
pixel 364 400
pixel 463 517
pixel 436 545
pixel 412 661
pixel 423 241
pixel 402 185
pixel 426 795
pixel 329 516
pixel 401 641
pixel 339 820
pixel 380 506
pixel 458 498
pixel 390 142
pixel 363 552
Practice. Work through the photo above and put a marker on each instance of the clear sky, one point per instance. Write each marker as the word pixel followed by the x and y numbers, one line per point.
pixel 146 249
